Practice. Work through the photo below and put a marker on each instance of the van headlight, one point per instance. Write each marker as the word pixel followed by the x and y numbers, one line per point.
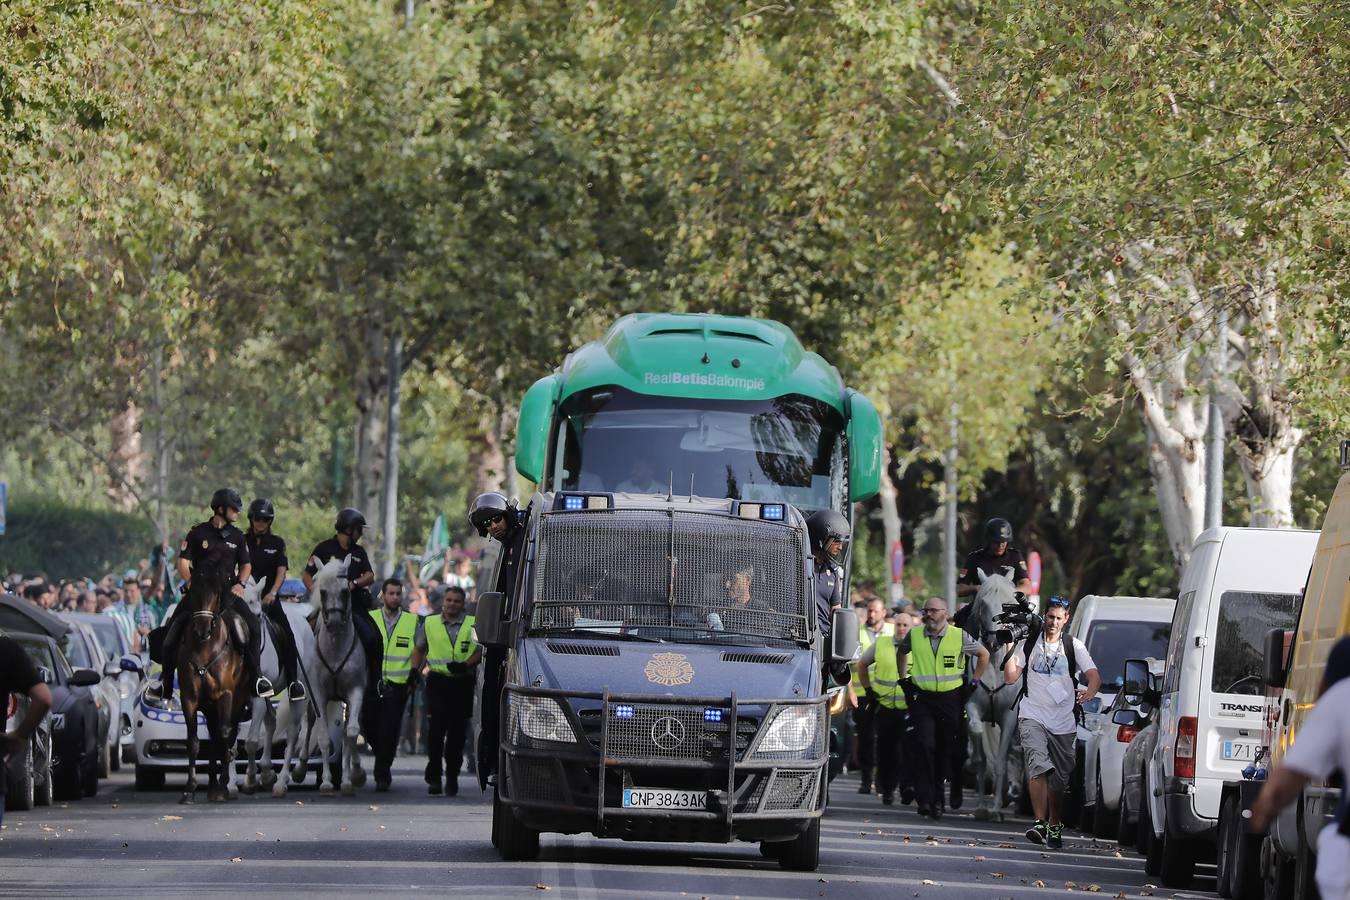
pixel 794 729
pixel 541 719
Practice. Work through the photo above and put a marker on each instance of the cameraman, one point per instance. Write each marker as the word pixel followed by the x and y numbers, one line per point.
pixel 1047 716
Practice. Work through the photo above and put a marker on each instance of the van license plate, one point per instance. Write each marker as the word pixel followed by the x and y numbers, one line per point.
pixel 1239 750
pixel 646 798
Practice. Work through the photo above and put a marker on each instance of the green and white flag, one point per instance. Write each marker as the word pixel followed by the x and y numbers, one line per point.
pixel 437 546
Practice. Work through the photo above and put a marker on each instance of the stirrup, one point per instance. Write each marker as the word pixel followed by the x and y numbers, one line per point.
pixel 297 692
pixel 263 688
pixel 155 690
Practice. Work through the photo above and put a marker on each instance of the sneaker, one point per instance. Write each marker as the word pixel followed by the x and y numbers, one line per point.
pixel 1037 833
pixel 1055 837
pixel 957 795
pixel 888 798
pixel 297 692
pixel 434 789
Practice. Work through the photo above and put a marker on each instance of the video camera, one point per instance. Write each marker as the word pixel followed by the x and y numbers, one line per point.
pixel 1019 619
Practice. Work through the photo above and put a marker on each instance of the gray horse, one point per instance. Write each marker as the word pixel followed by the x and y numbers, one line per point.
pixel 338 677
pixel 292 717
pixel 991 711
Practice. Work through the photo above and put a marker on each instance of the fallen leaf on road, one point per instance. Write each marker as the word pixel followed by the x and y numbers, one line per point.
pixel 996 874
pixel 1094 888
pixel 822 881
pixel 906 839
pixel 382 828
pixel 1117 854
pixel 1005 846
pixel 542 887
pixel 1038 883
pixel 928 882
pixel 1070 885
pixel 979 859
pixel 259 834
pixel 374 808
pixel 299 803
pixel 343 828
pixel 236 859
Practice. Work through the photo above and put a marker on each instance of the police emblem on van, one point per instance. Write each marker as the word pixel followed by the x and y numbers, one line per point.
pixel 669 669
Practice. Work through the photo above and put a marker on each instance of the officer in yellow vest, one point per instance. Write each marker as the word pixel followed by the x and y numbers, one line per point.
pixel 872 625
pixel 879 668
pixel 936 658
pixel 447 643
pixel 398 635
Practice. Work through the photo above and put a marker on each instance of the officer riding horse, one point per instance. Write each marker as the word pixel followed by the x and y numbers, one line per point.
pixel 212 673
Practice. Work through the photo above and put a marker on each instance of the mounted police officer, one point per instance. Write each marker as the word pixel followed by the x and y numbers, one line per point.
pixel 936 660
pixel 497 518
pixel 345 544
pixel 997 555
pixel 267 552
pixel 217 536
pixel 449 647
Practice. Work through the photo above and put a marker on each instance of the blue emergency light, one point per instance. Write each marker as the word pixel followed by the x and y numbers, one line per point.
pixel 572 503
pixel 624 711
pixel 774 512
pixel 712 715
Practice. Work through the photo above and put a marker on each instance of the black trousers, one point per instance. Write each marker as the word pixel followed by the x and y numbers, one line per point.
pixel 286 651
pixel 450 705
pixel 864 736
pixel 388 716
pixel 895 755
pixel 940 739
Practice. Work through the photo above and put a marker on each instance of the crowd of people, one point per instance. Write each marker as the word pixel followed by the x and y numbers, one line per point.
pixel 136 598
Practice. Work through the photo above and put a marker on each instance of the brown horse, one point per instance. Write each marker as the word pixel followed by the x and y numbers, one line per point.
pixel 212 678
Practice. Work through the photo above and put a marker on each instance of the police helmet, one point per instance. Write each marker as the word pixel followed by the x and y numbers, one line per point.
pixel 347 519
pixel 262 508
pixel 486 507
pixel 226 498
pixel 823 526
pixel 997 531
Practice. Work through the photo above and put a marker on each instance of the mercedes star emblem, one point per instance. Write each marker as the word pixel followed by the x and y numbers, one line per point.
pixel 667 733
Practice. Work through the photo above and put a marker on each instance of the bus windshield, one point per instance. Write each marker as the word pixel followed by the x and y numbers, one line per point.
pixel 790 448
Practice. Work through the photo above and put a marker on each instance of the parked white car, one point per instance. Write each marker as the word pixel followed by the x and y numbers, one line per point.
pixel 1114 629
pixel 1238 585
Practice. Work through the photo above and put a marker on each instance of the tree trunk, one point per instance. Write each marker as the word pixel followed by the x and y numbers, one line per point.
pixel 126 459
pixel 487 462
pixel 370 383
pixel 890 509
pixel 389 506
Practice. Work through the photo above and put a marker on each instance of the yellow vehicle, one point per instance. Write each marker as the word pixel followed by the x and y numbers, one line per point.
pixel 1285 859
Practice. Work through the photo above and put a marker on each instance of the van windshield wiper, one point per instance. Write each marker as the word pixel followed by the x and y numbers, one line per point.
pixel 596 632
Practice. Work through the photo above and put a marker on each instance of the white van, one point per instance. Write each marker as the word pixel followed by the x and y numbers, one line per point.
pixel 1239 584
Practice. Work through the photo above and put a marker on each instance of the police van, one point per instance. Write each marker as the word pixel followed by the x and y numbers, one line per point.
pixel 663 676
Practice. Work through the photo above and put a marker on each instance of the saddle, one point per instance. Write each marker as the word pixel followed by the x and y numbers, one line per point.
pixel 238 630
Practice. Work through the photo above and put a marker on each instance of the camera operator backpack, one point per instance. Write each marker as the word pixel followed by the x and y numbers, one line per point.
pixel 1073 668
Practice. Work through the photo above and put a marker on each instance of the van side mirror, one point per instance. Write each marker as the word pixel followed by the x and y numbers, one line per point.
pixel 84 678
pixel 1137 681
pixel 491 630
pixel 844 635
pixel 1276 658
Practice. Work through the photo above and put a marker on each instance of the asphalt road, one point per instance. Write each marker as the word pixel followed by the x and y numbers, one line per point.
pixel 125 842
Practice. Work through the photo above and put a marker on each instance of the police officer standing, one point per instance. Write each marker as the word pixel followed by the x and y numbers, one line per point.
pixel 997 555
pixel 879 668
pixel 267 552
pixel 447 644
pixel 345 544
pixel 872 626
pixel 936 662
pixel 217 536
pixel 398 634
pixel 496 517
pixel 829 533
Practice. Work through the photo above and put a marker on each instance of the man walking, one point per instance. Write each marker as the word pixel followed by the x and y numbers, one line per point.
pixel 936 658
pixel 447 643
pixel 398 635
pixel 18 675
pixel 880 671
pixel 1049 664
pixel 872 626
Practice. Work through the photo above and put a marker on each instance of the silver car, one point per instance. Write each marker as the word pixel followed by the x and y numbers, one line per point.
pixel 131 673
pixel 84 652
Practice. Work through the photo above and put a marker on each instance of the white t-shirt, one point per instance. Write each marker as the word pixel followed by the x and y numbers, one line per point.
pixel 1050 689
pixel 1323 743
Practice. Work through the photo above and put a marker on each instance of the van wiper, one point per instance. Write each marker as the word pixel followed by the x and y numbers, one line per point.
pixel 591 632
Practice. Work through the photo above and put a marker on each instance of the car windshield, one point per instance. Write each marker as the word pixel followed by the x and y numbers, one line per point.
pixel 1110 642
pixel 107 636
pixel 75 649
pixel 653 574
pixel 789 448
pixel 1239 638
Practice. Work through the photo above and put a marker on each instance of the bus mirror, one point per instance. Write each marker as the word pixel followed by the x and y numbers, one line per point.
pixel 491 630
pixel 865 448
pixel 843 635
pixel 532 428
pixel 1276 657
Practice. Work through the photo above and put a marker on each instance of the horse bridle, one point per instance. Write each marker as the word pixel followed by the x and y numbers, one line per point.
pixel 346 612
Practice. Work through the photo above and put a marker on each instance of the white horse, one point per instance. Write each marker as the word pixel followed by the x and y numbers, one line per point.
pixel 991 711
pixel 338 677
pixel 289 716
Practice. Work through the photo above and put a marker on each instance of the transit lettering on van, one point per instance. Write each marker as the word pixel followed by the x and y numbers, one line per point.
pixel 1241 707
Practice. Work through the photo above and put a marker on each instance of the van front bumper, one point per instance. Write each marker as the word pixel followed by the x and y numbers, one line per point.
pixel 714 747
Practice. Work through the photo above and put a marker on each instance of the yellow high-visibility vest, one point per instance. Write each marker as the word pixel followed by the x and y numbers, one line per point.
pixel 442 650
pixel 865 640
pixel 938 672
pixel 884 676
pixel 398 645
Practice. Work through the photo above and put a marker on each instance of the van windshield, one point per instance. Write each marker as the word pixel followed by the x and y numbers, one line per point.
pixel 1111 642
pixel 1244 619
